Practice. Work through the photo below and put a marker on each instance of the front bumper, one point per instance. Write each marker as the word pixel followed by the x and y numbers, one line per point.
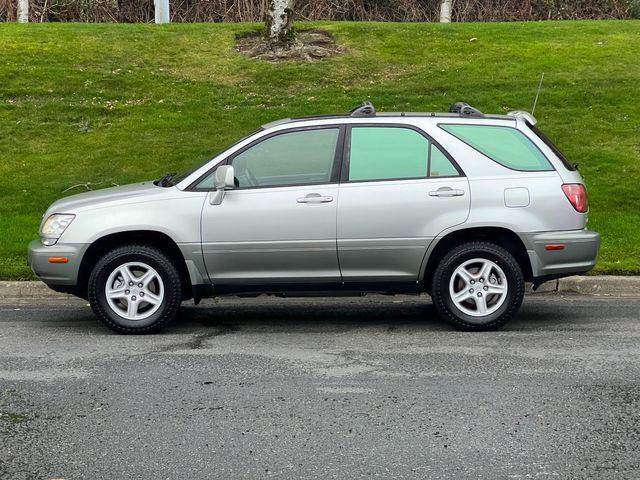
pixel 56 273
pixel 578 256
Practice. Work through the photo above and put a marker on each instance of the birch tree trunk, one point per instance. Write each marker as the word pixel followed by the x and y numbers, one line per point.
pixel 162 11
pixel 23 11
pixel 445 11
pixel 280 21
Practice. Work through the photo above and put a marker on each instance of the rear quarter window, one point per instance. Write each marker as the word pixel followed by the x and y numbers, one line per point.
pixel 505 145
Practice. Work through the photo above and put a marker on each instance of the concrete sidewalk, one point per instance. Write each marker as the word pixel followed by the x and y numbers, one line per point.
pixel 586 285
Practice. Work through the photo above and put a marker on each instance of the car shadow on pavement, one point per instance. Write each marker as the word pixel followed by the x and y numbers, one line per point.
pixel 344 314
pixel 337 314
pixel 270 314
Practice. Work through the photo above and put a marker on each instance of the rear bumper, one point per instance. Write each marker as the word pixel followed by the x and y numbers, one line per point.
pixel 54 274
pixel 579 254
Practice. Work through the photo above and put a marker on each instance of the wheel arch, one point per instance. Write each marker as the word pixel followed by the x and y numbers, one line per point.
pixel 152 238
pixel 504 237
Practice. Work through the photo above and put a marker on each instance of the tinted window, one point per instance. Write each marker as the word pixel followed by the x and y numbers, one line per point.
pixel 505 145
pixel 439 164
pixel 294 158
pixel 379 153
pixel 390 153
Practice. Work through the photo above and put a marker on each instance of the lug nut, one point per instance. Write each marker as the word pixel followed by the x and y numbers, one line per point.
pixel 471 290
pixel 484 288
pixel 131 284
pixel 479 294
pixel 482 280
pixel 142 294
pixel 133 298
pixel 126 292
pixel 140 285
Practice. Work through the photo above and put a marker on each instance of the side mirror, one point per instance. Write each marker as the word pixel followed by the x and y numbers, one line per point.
pixel 222 180
pixel 224 177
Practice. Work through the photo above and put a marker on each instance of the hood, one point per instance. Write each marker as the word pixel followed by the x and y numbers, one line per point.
pixel 124 194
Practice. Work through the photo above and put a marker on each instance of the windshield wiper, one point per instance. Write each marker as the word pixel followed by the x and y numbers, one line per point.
pixel 166 180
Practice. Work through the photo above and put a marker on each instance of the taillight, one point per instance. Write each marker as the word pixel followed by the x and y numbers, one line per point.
pixel 577 195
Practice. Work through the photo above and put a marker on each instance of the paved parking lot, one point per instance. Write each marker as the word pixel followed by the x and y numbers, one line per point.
pixel 327 388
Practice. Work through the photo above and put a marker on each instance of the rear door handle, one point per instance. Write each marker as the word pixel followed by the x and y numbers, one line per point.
pixel 315 198
pixel 446 192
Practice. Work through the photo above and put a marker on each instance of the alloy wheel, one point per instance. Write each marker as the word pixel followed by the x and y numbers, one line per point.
pixel 134 290
pixel 478 287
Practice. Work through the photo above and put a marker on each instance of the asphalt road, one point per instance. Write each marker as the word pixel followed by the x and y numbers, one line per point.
pixel 373 387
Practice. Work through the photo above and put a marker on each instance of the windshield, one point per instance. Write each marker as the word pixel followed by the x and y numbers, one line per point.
pixel 171 179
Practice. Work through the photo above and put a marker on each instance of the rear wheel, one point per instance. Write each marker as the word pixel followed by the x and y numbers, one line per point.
pixel 135 289
pixel 478 286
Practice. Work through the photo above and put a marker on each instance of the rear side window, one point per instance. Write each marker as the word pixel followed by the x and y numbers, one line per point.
pixel 394 153
pixel 505 145
pixel 439 164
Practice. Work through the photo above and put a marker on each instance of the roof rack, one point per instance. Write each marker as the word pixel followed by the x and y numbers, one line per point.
pixel 464 109
pixel 365 109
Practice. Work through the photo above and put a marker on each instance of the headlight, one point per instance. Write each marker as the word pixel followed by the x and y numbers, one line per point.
pixel 54 226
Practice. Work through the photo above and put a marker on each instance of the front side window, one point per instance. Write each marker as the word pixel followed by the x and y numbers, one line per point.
pixel 395 153
pixel 293 158
pixel 505 145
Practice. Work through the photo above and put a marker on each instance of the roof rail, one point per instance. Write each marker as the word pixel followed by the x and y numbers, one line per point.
pixel 365 109
pixel 464 109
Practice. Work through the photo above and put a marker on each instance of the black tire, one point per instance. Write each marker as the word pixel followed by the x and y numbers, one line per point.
pixel 446 306
pixel 152 257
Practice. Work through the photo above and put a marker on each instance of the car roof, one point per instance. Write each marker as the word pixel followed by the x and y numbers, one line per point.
pixel 458 110
pixel 389 116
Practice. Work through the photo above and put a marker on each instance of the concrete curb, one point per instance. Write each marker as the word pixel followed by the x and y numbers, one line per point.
pixel 593 285
pixel 613 285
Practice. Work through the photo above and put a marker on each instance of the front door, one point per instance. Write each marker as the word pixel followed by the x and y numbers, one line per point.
pixel 399 190
pixel 279 224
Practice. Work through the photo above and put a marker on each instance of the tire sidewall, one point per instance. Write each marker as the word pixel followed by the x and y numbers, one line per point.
pixel 118 257
pixel 502 259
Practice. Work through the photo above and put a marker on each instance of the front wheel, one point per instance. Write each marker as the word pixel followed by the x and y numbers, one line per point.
pixel 478 286
pixel 135 289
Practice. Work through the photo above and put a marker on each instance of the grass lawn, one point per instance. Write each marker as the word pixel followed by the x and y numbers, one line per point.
pixel 122 103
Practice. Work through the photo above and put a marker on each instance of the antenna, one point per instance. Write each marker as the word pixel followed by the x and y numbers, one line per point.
pixel 535 102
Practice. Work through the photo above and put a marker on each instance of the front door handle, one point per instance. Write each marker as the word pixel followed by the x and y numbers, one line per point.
pixel 446 192
pixel 315 198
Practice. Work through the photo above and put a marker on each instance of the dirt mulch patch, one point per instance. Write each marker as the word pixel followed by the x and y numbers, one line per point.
pixel 308 45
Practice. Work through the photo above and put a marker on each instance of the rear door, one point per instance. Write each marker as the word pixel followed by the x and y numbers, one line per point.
pixel 398 190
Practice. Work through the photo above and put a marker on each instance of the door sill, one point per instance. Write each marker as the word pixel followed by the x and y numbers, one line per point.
pixel 310 289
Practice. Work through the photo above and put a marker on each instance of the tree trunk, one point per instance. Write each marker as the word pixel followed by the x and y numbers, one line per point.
pixel 23 11
pixel 280 21
pixel 162 11
pixel 445 11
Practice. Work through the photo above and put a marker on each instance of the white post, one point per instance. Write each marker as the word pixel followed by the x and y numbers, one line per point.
pixel 23 11
pixel 162 11
pixel 445 11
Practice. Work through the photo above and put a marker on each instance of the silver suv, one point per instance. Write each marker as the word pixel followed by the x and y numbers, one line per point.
pixel 464 206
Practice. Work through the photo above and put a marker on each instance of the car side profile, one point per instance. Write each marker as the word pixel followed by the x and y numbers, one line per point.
pixel 464 206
